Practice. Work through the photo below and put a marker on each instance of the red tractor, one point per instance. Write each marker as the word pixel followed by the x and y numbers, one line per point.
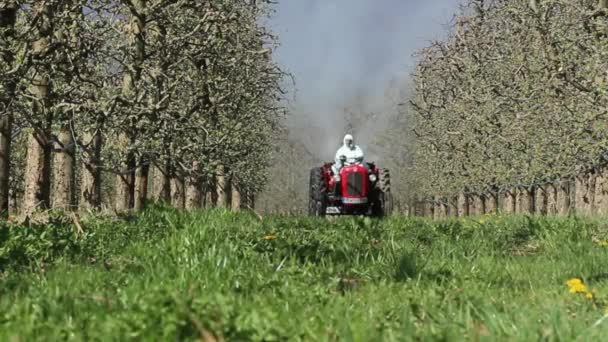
pixel 358 189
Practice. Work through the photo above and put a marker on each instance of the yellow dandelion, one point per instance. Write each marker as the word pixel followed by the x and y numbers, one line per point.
pixel 603 243
pixel 589 295
pixel 576 285
pixel 574 282
pixel 269 237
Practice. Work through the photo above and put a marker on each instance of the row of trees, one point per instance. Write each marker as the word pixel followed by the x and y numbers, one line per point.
pixel 131 100
pixel 515 96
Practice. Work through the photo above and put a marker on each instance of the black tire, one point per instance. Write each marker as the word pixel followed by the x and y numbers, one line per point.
pixel 385 187
pixel 317 202
pixel 383 201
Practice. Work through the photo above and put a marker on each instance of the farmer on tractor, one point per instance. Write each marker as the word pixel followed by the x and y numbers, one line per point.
pixel 348 152
pixel 349 186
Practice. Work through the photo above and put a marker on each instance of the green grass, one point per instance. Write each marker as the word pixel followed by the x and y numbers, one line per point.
pixel 166 275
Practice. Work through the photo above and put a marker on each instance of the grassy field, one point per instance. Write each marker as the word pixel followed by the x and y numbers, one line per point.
pixel 215 275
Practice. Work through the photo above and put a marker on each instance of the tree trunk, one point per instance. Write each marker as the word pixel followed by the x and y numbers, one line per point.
pixel 125 181
pixel 8 15
pixel 245 197
pixel 161 189
pixel 428 209
pixel 551 199
pixel 203 184
pixel 437 208
pixel 251 199
pixel 453 207
pixel 472 200
pixel 601 193
pixel 63 171
pixel 509 201
pixel 141 186
pixel 6 124
pixel 90 182
pixel 482 204
pixel 476 205
pixel 236 198
pixel 221 187
pixel 194 195
pixel 463 205
pixel 177 192
pixel 210 193
pixel 525 200
pixel 540 200
pixel 445 208
pixel 591 194
pixel 123 200
pixel 564 203
pixel 38 162
pixel 419 208
pixel 584 194
pixel 442 208
pixel 411 208
pixel 491 203
pixel 37 180
pixel 248 198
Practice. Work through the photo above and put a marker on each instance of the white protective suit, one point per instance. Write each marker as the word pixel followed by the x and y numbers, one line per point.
pixel 351 151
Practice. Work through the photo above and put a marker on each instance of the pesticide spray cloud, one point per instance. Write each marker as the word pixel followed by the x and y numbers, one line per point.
pixel 344 55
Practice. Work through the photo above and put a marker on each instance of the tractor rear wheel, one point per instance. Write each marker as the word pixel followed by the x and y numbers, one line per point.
pixel 385 187
pixel 383 205
pixel 317 202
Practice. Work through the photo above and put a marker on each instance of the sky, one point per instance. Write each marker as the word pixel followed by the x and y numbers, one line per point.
pixel 345 53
